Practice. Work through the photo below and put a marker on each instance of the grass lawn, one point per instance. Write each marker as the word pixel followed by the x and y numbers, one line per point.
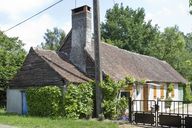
pixel 37 122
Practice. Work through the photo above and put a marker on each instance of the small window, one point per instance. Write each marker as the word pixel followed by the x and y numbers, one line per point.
pixel 125 94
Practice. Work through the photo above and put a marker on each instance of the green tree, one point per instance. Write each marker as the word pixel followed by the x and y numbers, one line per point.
pixel 127 29
pixel 12 56
pixel 188 62
pixel 188 39
pixel 53 39
pixel 171 47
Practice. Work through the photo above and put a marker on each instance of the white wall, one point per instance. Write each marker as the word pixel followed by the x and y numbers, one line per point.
pixel 151 96
pixel 14 101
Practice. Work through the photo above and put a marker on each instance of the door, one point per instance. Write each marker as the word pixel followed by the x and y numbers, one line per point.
pixel 145 97
pixel 24 103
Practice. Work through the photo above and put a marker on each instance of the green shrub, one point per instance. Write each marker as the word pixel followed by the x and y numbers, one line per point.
pixel 78 101
pixel 170 88
pixel 109 108
pixel 168 102
pixel 187 94
pixel 110 91
pixel 44 101
pixel 122 105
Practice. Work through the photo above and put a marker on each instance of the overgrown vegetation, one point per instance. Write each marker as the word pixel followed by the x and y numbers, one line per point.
pixel 44 101
pixel 170 88
pixel 187 94
pixel 78 101
pixel 112 106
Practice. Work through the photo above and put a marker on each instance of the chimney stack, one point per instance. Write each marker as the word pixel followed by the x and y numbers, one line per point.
pixel 81 36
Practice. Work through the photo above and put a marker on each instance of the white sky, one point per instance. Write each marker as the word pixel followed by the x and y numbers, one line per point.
pixel 162 12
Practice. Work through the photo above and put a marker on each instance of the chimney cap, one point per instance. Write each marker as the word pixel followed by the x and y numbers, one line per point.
pixel 84 8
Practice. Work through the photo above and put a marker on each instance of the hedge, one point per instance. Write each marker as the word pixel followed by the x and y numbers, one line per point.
pixel 44 101
pixel 47 101
pixel 78 101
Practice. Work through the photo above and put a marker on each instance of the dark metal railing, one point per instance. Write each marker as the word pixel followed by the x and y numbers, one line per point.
pixel 160 113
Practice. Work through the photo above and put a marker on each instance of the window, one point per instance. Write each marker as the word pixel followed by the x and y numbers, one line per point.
pixel 125 94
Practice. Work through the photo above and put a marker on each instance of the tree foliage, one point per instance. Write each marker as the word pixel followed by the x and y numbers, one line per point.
pixel 12 56
pixel 127 29
pixel 173 49
pixel 188 39
pixel 187 94
pixel 53 39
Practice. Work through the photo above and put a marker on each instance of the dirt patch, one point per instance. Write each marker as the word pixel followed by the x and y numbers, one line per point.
pixel 6 126
pixel 128 126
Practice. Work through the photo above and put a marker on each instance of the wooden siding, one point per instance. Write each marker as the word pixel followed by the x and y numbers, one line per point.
pixel 35 72
pixel 66 47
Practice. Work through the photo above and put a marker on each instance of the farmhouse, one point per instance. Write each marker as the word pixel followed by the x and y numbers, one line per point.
pixel 74 62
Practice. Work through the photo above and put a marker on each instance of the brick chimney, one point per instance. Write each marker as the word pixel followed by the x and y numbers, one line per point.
pixel 81 36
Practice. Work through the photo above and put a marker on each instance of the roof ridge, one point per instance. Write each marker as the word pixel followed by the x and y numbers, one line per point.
pixel 41 49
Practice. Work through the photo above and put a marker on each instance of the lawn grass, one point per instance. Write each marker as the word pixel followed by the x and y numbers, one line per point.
pixel 37 122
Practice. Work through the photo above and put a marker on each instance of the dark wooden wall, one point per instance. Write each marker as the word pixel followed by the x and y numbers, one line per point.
pixel 90 67
pixel 35 72
pixel 66 47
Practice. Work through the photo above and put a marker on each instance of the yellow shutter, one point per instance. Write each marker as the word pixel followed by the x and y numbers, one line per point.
pixel 173 93
pixel 155 92
pixel 162 91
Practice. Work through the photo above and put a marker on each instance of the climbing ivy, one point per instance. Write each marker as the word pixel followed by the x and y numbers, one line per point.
pixel 78 101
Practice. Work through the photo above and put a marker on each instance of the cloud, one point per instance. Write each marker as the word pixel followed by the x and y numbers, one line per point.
pixel 14 8
pixel 170 14
pixel 159 15
pixel 31 33
pixel 156 1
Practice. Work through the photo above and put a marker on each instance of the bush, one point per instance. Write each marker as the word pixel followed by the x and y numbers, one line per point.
pixel 44 101
pixel 109 108
pixel 170 88
pixel 122 105
pixel 110 102
pixel 79 101
pixel 168 102
pixel 187 94
pixel 47 101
